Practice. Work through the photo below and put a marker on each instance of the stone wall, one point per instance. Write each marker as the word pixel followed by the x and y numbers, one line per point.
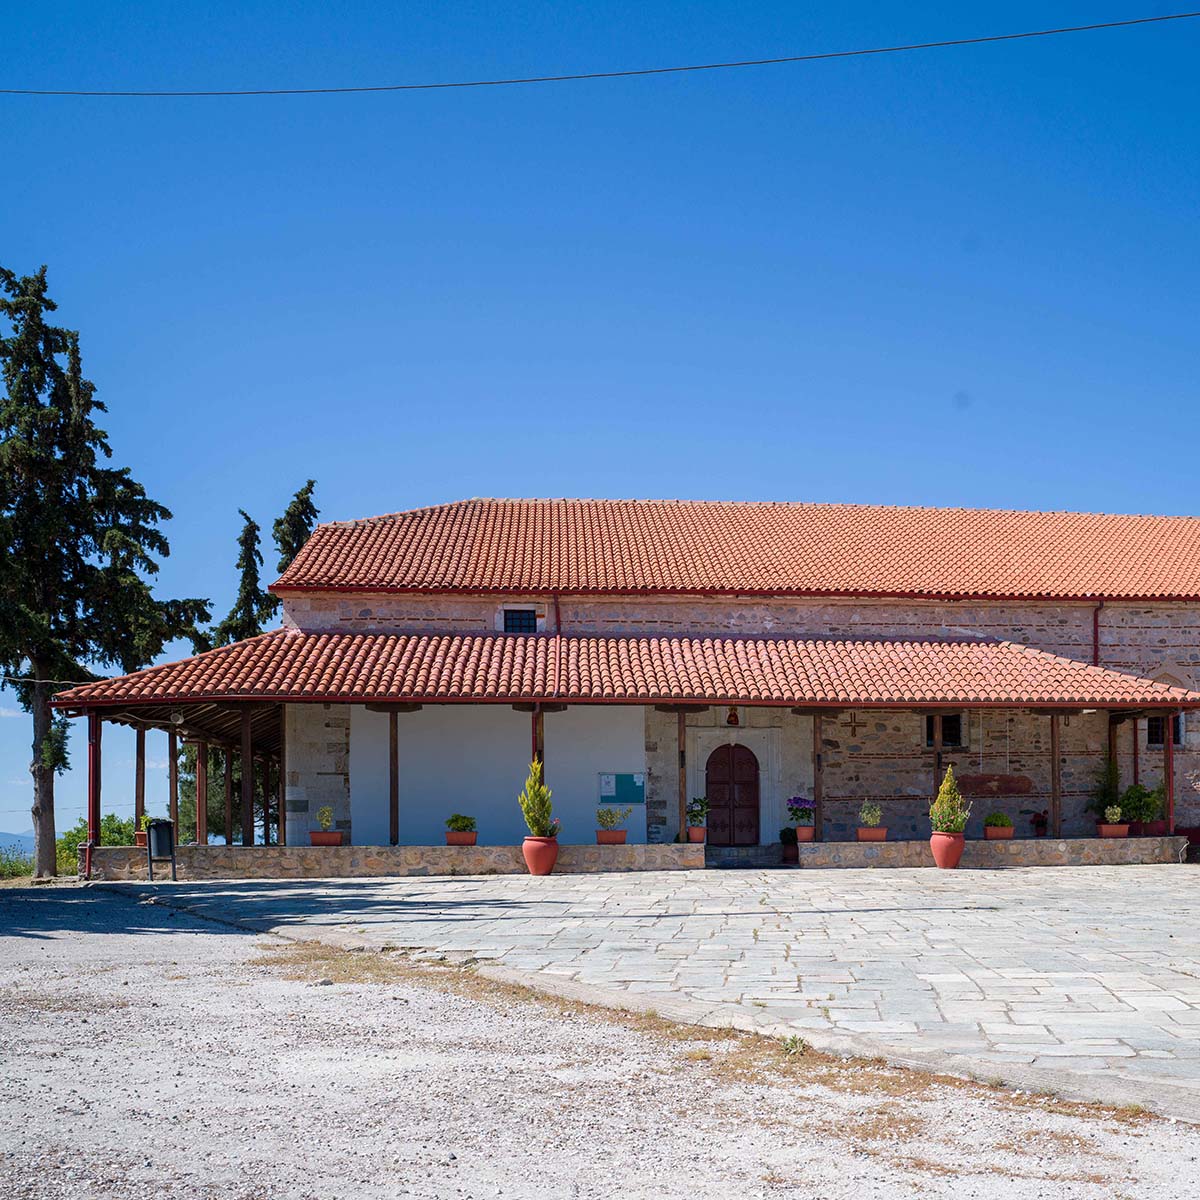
pixel 339 862
pixel 318 767
pixel 1018 852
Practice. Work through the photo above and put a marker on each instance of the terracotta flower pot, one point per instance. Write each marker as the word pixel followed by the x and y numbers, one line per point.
pixel 872 833
pixel 804 833
pixel 791 852
pixel 947 849
pixel 541 853
pixel 1113 831
pixel 1152 829
pixel 611 837
pixel 461 837
pixel 325 837
pixel 695 833
pixel 139 838
pixel 998 833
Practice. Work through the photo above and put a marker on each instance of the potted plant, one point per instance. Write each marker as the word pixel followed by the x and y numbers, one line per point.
pixel 803 814
pixel 870 828
pixel 1142 808
pixel 997 826
pixel 697 815
pixel 1039 821
pixel 1112 826
pixel 139 834
pixel 787 839
pixel 326 835
pixel 608 819
pixel 540 848
pixel 948 815
pixel 460 830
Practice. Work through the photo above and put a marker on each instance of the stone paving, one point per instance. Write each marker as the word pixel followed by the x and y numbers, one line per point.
pixel 1082 979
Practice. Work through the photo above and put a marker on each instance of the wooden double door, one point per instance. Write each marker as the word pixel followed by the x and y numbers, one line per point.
pixel 731 785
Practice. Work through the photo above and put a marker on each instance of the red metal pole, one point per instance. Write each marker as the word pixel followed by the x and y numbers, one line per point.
pixel 93 808
pixel 1169 767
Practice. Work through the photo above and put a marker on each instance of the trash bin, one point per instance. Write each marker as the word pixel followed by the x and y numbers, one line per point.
pixel 161 839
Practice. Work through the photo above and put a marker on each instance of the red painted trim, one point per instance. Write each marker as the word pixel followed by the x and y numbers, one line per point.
pixel 1169 768
pixel 95 727
pixel 758 593
pixel 951 705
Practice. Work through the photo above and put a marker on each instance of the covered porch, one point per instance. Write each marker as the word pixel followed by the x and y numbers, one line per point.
pixel 395 732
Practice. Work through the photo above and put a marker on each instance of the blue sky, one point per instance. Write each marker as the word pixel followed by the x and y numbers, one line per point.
pixel 962 276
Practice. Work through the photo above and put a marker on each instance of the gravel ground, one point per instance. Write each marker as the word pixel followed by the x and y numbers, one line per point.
pixel 146 1052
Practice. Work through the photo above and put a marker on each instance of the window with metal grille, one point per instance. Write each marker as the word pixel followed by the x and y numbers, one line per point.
pixel 520 620
pixel 1154 731
pixel 952 730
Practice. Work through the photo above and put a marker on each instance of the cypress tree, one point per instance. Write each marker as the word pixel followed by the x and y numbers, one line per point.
pixel 292 530
pixel 79 540
pixel 254 605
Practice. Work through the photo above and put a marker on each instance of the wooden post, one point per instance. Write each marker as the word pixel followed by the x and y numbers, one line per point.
pixel 818 781
pixel 139 778
pixel 937 752
pixel 394 779
pixel 1113 756
pixel 95 729
pixel 202 793
pixel 681 735
pixel 247 761
pixel 173 779
pixel 1169 768
pixel 1055 779
pixel 266 774
pixel 539 735
pixel 282 801
pixel 228 796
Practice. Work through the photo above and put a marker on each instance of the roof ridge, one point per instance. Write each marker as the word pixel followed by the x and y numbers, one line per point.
pixel 686 502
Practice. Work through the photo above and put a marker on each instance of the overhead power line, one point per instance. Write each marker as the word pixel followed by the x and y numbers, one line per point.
pixel 626 74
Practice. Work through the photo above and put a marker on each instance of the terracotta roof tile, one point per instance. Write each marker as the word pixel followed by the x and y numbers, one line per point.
pixel 499 667
pixel 635 546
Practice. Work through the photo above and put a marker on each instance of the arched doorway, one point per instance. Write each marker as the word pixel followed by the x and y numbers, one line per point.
pixel 731 785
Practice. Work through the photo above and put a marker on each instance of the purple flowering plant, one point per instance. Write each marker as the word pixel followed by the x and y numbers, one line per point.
pixel 801 810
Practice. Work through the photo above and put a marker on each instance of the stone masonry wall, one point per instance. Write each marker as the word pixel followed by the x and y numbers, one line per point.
pixel 318 767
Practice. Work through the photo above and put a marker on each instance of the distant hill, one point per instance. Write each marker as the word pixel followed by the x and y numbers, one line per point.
pixel 22 841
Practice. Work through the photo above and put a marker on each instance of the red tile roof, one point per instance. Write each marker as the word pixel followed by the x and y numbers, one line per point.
pixel 675 546
pixel 498 667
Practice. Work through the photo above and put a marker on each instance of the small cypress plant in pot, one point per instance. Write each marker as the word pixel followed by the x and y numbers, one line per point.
pixel 997 826
pixel 326 835
pixel 870 823
pixel 697 815
pixel 540 848
pixel 460 830
pixel 948 815
pixel 609 820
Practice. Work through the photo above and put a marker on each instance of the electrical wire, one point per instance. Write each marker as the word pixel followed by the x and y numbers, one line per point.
pixel 625 74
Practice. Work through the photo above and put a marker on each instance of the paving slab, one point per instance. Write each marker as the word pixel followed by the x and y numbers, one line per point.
pixel 1085 980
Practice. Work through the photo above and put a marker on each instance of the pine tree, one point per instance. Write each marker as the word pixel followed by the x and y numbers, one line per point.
pixel 79 540
pixel 254 606
pixel 292 530
pixel 949 811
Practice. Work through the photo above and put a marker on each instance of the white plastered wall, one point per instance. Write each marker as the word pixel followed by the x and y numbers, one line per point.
pixel 473 759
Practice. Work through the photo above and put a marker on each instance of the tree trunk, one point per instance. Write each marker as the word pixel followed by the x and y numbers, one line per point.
pixel 44 864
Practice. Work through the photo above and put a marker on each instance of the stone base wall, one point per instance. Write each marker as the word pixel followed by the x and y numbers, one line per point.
pixel 1016 852
pixel 330 862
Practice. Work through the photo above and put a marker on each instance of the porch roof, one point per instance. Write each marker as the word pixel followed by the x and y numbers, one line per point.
pixel 287 665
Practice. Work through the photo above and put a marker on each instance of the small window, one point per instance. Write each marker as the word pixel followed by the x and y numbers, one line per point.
pixel 952 730
pixel 520 620
pixel 1154 731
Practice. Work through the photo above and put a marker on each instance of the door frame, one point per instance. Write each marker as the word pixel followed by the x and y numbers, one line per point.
pixel 764 743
